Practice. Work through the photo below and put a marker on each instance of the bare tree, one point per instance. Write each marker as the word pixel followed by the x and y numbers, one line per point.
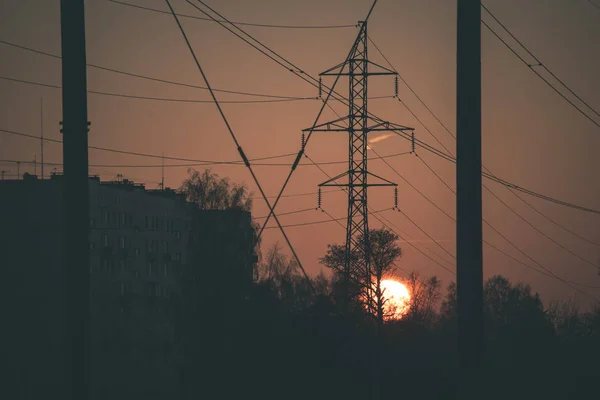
pixel 210 192
pixel 359 283
pixel 425 296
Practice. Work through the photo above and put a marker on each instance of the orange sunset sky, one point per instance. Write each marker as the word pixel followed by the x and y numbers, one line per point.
pixel 531 136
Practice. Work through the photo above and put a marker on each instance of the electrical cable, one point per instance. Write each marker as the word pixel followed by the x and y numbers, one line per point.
pixel 167 99
pixel 453 159
pixel 238 23
pixel 539 63
pixel 547 271
pixel 160 80
pixel 239 148
pixel 192 163
pixel 541 77
pixel 203 162
pixel 384 224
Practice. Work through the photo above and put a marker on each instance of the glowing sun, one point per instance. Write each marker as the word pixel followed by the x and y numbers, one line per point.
pixel 396 297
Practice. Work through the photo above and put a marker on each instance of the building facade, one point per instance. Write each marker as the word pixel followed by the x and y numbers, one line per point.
pixel 140 247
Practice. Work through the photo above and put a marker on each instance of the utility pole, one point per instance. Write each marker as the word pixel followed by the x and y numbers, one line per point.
pixel 358 124
pixel 18 170
pixel 3 172
pixel 76 198
pixel 34 165
pixel 468 182
pixel 42 133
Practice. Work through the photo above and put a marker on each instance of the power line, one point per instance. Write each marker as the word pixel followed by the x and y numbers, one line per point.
pixel 289 212
pixel 548 272
pixel 539 63
pixel 418 98
pixel 157 156
pixel 552 220
pixel 541 77
pixel 237 23
pixel 301 74
pixel 239 148
pixel 323 221
pixel 386 225
pixel 192 162
pixel 160 80
pixel 167 99
pixel 538 230
pixel 594 4
pixel 453 160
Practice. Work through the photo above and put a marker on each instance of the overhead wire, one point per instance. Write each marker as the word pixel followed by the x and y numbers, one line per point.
pixel 594 4
pixel 140 154
pixel 491 176
pixel 191 162
pixel 237 23
pixel 166 99
pixel 547 271
pixel 150 78
pixel 239 148
pixel 300 73
pixel 452 159
pixel 427 147
pixel 540 76
pixel 369 212
pixel 539 63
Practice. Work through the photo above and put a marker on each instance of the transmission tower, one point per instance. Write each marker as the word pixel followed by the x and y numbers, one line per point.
pixel 358 123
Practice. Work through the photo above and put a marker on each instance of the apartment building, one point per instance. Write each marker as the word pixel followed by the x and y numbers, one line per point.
pixel 140 245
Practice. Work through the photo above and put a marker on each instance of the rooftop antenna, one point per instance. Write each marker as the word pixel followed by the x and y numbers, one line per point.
pixel 162 180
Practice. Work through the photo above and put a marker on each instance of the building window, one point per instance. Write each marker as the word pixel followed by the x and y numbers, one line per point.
pixel 91 222
pixel 178 256
pixel 146 222
pixel 177 234
pixel 137 274
pixel 105 239
pixel 112 267
pixel 125 287
pixel 106 216
pixel 105 265
pixel 165 267
pixel 122 266
pixel 122 242
pixel 166 247
pixel 149 267
pixel 137 251
pixel 153 289
pixel 92 245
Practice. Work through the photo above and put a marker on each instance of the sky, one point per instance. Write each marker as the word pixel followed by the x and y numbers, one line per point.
pixel 531 136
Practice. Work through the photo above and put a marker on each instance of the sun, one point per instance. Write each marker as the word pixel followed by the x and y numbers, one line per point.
pixel 397 299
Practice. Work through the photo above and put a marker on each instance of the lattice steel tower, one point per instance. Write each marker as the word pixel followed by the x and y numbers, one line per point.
pixel 358 123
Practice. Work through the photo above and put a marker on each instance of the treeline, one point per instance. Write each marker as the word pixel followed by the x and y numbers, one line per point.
pixel 281 339
pixel 286 338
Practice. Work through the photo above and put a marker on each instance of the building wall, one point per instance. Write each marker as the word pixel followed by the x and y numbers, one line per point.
pixel 140 246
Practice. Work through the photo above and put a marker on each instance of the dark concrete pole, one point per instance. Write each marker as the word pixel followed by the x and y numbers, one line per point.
pixel 76 198
pixel 468 181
